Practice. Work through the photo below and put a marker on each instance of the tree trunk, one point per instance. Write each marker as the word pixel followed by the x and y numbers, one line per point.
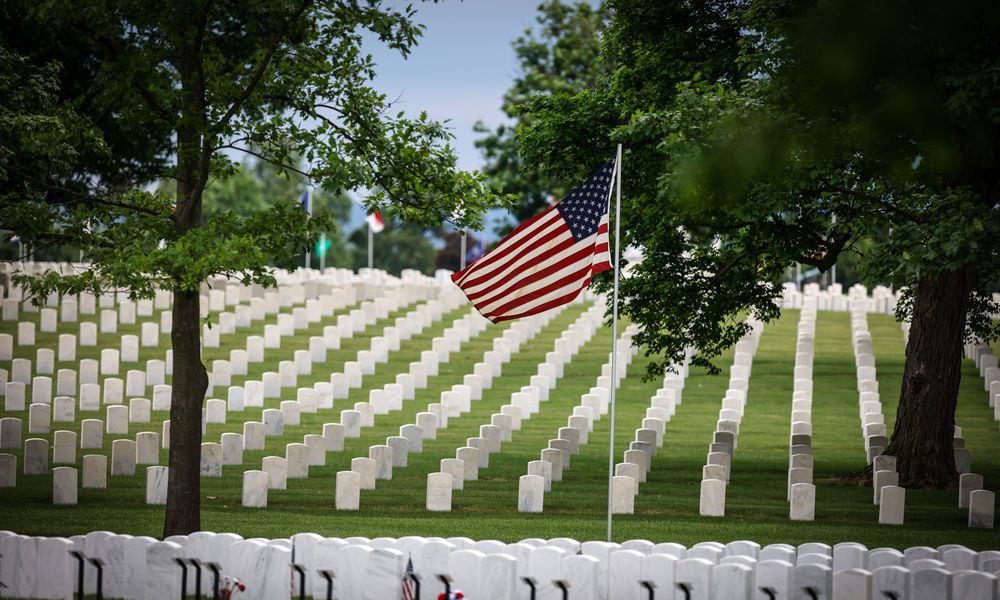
pixel 922 440
pixel 190 381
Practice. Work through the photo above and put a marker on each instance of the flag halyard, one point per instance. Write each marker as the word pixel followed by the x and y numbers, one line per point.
pixel 547 260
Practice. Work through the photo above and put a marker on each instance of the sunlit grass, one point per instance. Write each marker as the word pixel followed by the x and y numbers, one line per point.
pixel 666 508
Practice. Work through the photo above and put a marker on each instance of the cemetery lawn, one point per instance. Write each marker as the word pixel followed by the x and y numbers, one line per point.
pixel 666 509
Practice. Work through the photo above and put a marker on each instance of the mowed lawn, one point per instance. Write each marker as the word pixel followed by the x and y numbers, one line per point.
pixel 666 508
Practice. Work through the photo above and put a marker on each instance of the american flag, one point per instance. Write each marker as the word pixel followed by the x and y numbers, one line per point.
pixel 408 580
pixel 548 259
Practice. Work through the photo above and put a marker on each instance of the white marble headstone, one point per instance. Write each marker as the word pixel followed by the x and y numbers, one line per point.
pixel 348 490
pixel 95 471
pixel 276 468
pixel 64 485
pixel 36 456
pixel 156 485
pixel 255 485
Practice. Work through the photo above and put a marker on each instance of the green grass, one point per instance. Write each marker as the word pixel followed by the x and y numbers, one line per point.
pixel 666 508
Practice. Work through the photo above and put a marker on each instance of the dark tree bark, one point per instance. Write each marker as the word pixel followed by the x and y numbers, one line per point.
pixel 183 514
pixel 922 439
pixel 190 380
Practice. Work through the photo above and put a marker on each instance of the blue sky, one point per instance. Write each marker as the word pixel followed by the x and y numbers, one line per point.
pixel 459 70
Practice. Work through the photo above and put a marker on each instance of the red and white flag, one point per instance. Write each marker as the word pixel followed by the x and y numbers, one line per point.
pixel 375 222
pixel 548 259
pixel 408 587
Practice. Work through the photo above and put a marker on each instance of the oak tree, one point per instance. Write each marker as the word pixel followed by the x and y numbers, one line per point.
pixel 136 91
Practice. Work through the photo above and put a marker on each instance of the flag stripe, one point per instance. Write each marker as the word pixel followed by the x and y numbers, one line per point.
pixel 531 264
pixel 537 262
pixel 574 280
pixel 559 292
pixel 547 221
pixel 547 260
pixel 542 274
pixel 545 266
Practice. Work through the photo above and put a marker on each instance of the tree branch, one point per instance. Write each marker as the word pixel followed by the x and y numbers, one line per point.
pixel 76 196
pixel 889 206
pixel 258 75
pixel 828 253
pixel 267 159
pixel 114 47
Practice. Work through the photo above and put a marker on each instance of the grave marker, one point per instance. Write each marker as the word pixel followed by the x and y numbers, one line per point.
pixel 713 498
pixel 114 390
pixel 531 493
pixel 892 505
pixel 277 472
pixel 211 459
pixel 156 485
pixel 64 486
pixel 95 471
pixel 348 490
pixel 439 487
pixel 982 504
pixel 122 458
pixel 255 485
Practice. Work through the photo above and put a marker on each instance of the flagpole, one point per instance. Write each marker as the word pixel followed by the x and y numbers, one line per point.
pixel 309 213
pixel 617 174
pixel 371 240
pixel 462 249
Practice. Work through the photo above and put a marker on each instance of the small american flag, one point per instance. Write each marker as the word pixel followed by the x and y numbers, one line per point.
pixel 408 580
pixel 548 259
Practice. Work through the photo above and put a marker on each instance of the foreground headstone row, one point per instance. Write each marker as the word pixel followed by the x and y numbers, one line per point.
pixel 361 568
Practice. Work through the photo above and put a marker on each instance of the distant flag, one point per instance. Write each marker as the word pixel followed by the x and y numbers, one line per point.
pixel 474 253
pixel 408 580
pixel 375 222
pixel 548 259
pixel 306 200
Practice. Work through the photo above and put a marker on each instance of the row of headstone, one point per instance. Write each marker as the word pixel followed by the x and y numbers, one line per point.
pixel 110 357
pixel 116 423
pixel 523 405
pixel 475 454
pixel 383 457
pixel 873 426
pixel 986 362
pixel 882 300
pixel 801 491
pixel 84 383
pixel 637 459
pixel 125 311
pixel 887 494
pixel 363 568
pixel 716 473
pixel 556 456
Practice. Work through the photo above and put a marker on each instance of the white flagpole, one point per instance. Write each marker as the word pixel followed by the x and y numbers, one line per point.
pixel 309 211
pixel 462 249
pixel 371 240
pixel 617 174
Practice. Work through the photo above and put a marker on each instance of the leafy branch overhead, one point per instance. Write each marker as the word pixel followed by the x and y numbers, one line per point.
pixel 128 93
pixel 761 134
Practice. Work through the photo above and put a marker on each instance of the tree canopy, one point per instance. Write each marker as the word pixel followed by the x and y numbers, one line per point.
pixel 763 133
pixel 104 98
pixel 562 57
